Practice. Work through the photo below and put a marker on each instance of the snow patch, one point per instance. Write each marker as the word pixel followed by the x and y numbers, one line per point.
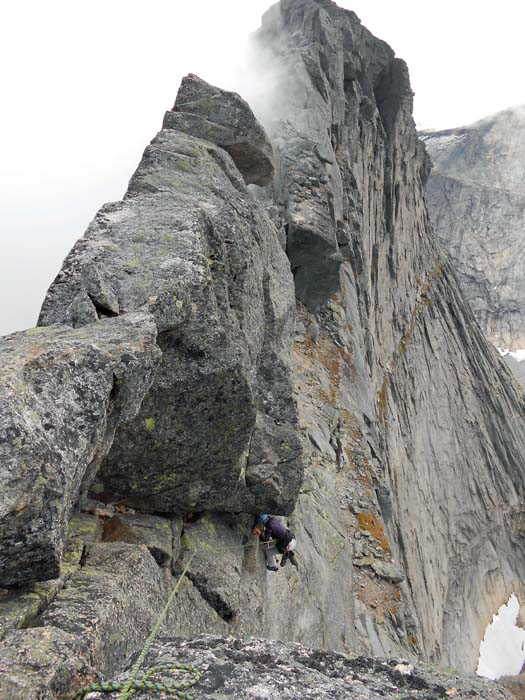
pixel 518 355
pixel 502 650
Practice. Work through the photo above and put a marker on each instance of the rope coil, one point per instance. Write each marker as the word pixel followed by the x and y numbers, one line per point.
pixel 176 690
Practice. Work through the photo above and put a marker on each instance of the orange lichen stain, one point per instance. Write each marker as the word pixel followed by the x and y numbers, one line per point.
pixel 437 272
pixel 115 530
pixel 331 357
pixel 402 346
pixel 364 477
pixel 381 400
pixel 370 523
pixel 424 286
pixel 423 304
pixel 378 595
pixel 346 417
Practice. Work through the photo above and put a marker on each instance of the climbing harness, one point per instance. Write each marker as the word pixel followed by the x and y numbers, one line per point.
pixel 134 685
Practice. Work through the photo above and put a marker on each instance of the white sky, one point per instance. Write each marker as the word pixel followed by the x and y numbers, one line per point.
pixel 85 85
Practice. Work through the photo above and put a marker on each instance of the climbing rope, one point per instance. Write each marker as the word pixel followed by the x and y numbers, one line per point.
pixel 133 685
pixel 177 690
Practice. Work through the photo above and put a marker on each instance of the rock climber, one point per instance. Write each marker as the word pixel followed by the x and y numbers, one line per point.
pixel 278 539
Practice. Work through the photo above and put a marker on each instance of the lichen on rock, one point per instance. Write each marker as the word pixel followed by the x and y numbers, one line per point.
pixel 209 268
pixel 223 118
pixel 63 394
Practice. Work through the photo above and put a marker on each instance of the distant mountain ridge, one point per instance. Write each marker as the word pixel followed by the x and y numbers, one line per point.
pixel 476 198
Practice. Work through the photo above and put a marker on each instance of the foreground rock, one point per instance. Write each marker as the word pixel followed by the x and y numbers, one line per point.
pixel 63 394
pixel 189 244
pixel 104 613
pixel 110 593
pixel 261 670
pixel 515 685
pixel 476 195
pixel 55 665
pixel 223 118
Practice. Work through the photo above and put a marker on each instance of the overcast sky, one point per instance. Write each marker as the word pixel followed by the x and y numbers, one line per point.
pixel 85 86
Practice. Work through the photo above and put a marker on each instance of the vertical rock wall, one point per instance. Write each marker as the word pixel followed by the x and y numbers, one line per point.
pixel 410 375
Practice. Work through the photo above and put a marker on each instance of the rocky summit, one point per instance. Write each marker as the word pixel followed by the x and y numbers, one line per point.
pixel 226 119
pixel 264 323
pixel 189 245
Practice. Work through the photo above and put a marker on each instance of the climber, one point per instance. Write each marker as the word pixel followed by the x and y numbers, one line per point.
pixel 278 539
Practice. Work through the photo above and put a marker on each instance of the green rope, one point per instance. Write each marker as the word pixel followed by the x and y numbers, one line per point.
pixel 124 695
pixel 176 690
pixel 132 685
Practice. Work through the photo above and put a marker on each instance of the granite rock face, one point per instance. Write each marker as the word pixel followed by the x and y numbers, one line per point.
pixel 398 391
pixel 225 119
pixel 63 394
pixel 476 196
pixel 189 244
pixel 105 612
pixel 409 513
pixel 256 669
pixel 310 110
pixel 313 604
pixel 517 367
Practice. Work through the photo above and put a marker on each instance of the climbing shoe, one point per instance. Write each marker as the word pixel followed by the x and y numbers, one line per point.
pixel 284 559
pixel 293 560
pixel 272 568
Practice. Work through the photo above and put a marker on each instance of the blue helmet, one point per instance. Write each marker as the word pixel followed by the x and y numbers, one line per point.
pixel 262 518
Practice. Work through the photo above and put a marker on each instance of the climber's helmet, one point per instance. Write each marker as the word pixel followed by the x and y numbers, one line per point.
pixel 258 527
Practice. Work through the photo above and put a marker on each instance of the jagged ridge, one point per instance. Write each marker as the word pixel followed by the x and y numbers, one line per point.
pixel 408 427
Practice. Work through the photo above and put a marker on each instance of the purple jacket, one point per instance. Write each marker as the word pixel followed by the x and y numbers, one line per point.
pixel 275 530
